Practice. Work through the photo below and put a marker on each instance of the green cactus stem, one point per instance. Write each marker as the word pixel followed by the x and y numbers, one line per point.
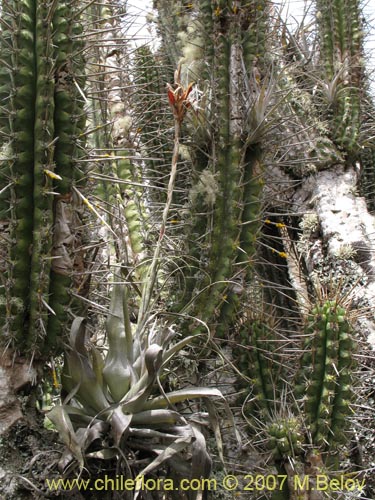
pixel 150 102
pixel 36 124
pixel 256 358
pixel 69 125
pixel 235 159
pixel 326 381
pixel 341 41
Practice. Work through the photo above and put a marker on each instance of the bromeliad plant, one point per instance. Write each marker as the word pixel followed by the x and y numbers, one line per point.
pixel 119 402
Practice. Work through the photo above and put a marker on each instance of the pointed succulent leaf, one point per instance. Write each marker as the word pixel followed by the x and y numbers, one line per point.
pixel 156 417
pixel 214 422
pixel 97 364
pixel 193 393
pixel 78 416
pixel 200 460
pixel 168 453
pixel 78 336
pixel 61 420
pixel 151 433
pixel 140 392
pixel 118 371
pixel 117 375
pixel 92 433
pixel 169 353
pixel 119 425
pixel 78 376
pixel 182 395
pixel 153 360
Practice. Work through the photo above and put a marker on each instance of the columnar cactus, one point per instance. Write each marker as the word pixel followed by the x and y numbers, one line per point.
pixel 28 129
pixel 69 125
pixel 326 379
pixel 113 136
pixel 221 49
pixel 149 103
pixel 256 358
pixel 367 154
pixel 323 387
pixel 341 41
pixel 41 116
pixel 367 179
pixel 293 417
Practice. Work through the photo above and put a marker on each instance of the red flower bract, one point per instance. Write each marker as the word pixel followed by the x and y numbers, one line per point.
pixel 178 96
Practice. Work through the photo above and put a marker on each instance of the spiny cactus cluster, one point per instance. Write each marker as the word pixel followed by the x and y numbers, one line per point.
pixel 326 374
pixel 41 120
pixel 322 392
pixel 286 437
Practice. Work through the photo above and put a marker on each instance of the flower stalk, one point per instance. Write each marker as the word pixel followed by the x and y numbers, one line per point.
pixel 179 101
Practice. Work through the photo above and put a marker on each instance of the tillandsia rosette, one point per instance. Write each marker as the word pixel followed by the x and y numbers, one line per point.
pixel 119 403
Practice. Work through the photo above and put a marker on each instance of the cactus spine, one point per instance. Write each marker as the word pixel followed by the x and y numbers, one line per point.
pixel 256 359
pixel 225 215
pixel 148 104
